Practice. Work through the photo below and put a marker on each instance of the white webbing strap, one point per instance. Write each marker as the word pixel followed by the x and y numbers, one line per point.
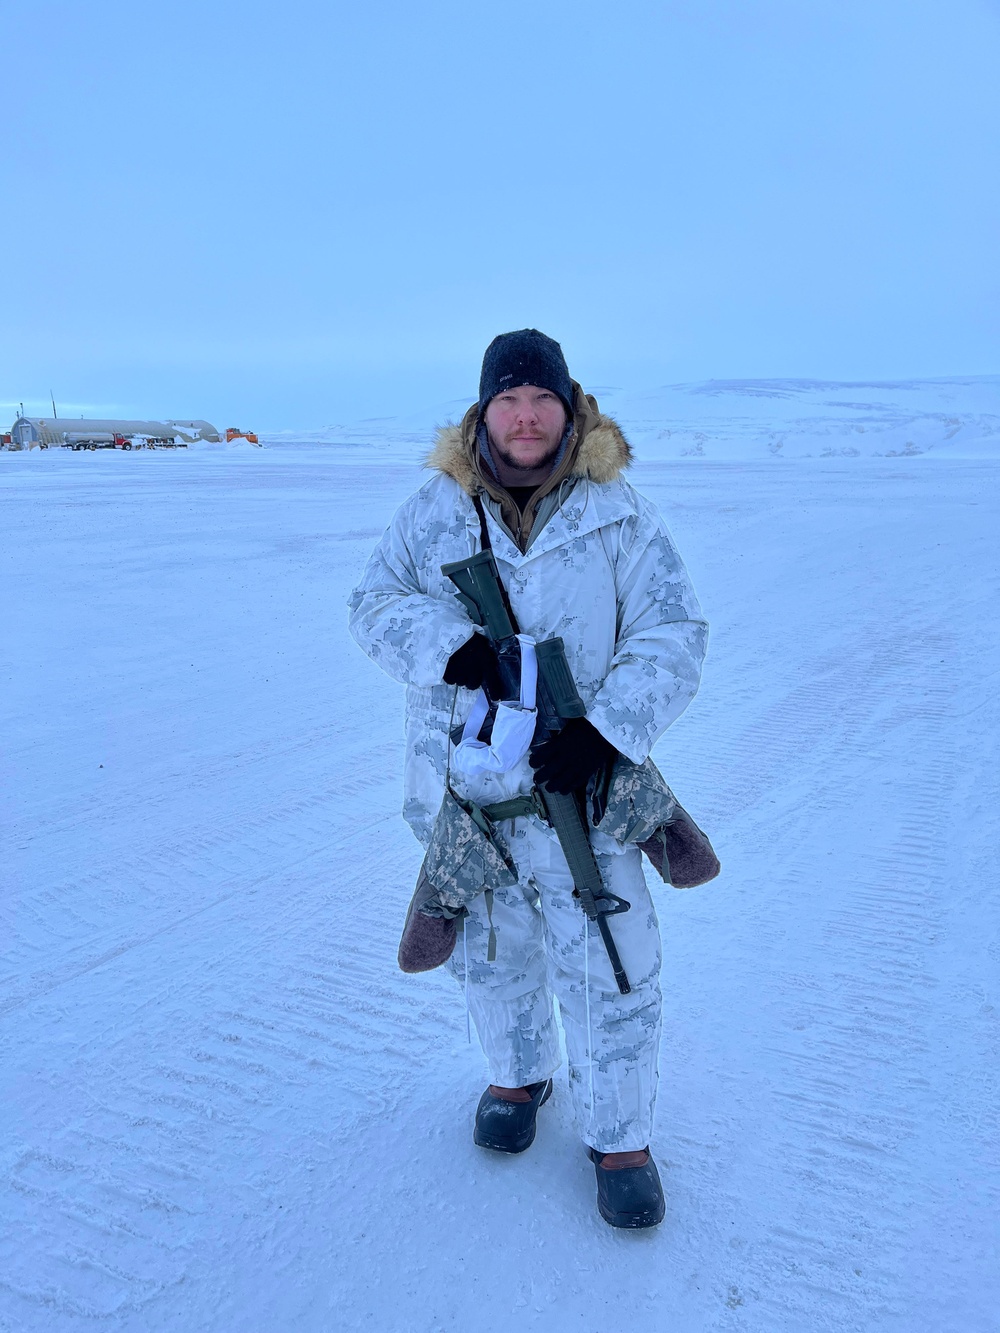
pixel 465 966
pixel 513 724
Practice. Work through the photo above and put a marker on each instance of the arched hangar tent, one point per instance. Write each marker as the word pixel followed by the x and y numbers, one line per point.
pixel 28 431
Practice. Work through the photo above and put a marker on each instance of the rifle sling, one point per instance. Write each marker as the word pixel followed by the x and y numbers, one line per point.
pixel 486 545
pixel 517 806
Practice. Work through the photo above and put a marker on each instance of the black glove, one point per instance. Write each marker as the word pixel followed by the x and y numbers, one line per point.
pixel 567 760
pixel 475 664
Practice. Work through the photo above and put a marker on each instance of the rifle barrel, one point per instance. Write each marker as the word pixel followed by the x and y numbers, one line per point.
pixel 566 819
pixel 613 956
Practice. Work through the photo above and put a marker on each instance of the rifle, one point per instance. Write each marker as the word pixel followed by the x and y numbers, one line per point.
pixel 485 598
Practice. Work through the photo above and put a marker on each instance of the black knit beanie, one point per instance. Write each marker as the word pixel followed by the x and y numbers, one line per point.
pixel 524 357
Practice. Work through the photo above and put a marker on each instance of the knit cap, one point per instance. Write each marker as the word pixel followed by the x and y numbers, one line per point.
pixel 524 357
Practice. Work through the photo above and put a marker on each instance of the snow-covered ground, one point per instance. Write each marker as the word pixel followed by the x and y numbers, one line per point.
pixel 224 1108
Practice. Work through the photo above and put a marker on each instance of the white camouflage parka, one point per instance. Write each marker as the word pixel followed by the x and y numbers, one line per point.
pixel 591 560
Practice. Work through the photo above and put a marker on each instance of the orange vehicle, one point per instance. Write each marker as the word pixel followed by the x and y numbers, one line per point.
pixel 233 434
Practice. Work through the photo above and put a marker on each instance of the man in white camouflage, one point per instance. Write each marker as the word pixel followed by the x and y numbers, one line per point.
pixel 583 556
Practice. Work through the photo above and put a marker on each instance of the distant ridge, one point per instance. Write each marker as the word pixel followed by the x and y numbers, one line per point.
pixel 958 416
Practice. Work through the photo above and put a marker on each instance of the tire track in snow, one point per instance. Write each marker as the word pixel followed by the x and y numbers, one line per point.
pixel 177 877
pixel 199 1114
pixel 849 1096
pixel 295 1014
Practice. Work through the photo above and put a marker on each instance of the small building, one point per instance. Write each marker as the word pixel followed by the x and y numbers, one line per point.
pixel 29 431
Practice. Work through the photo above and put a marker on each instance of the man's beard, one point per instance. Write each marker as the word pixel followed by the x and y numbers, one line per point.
pixel 500 451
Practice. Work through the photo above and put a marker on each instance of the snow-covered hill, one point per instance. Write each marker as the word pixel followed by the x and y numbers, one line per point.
pixel 757 418
pixel 811 419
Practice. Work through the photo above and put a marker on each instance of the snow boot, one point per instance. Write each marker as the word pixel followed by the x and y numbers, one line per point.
pixel 629 1196
pixel 508 1126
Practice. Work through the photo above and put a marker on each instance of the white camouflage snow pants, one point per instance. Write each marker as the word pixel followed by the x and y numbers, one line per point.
pixel 546 948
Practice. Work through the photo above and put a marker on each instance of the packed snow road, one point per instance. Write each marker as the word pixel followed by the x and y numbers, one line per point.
pixel 224 1107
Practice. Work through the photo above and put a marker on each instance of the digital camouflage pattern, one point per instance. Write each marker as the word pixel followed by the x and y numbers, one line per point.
pixel 601 571
pixel 467 853
pixel 461 861
pixel 638 802
pixel 590 560
pixel 545 947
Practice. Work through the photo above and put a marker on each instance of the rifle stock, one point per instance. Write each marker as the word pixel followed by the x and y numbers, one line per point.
pixel 481 592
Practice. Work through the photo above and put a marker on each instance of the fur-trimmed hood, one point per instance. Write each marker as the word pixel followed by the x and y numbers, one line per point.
pixel 597 449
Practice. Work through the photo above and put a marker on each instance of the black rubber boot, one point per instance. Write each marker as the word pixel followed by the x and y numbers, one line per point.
pixel 630 1196
pixel 509 1126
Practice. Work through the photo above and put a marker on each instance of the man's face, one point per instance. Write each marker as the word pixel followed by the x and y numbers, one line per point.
pixel 525 426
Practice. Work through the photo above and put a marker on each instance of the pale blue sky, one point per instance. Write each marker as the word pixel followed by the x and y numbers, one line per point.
pixel 297 214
